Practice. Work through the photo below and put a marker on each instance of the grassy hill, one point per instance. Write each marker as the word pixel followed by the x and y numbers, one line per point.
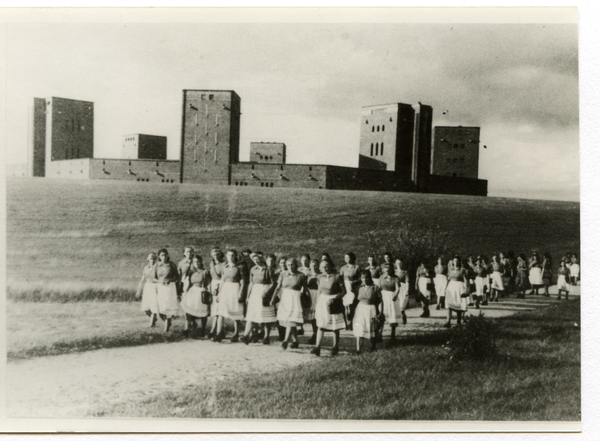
pixel 100 232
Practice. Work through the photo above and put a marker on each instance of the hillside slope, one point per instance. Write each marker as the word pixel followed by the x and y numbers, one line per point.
pixel 102 231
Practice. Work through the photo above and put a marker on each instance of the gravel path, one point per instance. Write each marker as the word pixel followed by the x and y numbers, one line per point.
pixel 76 385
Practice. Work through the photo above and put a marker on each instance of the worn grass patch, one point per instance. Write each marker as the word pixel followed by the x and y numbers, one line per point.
pixel 535 376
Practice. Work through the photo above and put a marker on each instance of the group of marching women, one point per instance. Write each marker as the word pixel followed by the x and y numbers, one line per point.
pixel 288 292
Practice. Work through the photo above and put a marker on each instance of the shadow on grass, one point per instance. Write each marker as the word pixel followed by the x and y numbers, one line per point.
pixel 415 379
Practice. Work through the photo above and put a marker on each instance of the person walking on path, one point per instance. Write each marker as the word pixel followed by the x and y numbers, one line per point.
pixel 330 308
pixel 148 291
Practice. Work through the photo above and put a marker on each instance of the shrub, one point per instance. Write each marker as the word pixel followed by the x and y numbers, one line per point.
pixel 474 340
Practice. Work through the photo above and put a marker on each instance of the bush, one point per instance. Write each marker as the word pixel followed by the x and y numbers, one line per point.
pixel 474 340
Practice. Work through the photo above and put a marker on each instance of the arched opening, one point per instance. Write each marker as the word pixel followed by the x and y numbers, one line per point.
pixel 376 149
pixel 371 149
pixel 382 148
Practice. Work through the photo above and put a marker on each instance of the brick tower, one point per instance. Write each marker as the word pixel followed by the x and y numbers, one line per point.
pixel 210 136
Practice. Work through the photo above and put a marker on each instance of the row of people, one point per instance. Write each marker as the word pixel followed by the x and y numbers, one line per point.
pixel 254 287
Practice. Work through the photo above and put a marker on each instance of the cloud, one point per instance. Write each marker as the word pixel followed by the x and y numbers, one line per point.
pixel 305 84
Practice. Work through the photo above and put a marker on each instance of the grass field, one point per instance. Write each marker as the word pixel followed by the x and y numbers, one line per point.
pixel 40 329
pixel 535 376
pixel 99 233
pixel 75 251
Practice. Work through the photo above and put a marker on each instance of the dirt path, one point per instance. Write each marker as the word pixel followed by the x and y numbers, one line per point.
pixel 76 385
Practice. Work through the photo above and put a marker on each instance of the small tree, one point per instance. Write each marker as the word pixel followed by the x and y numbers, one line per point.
pixel 474 340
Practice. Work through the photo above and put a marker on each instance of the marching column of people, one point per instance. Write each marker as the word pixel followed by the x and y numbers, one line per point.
pixel 265 292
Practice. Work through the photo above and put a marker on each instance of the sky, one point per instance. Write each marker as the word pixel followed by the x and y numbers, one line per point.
pixel 305 84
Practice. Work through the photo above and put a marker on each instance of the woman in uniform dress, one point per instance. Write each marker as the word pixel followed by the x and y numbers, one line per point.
pixel 481 275
pixel 393 303
pixel 521 276
pixel 374 269
pixel 351 273
pixel 331 288
pixel 232 295
pixel 535 274
pixel 506 274
pixel 313 287
pixel 401 271
pixel 147 290
pixel 546 273
pixel 456 292
pixel 216 263
pixel 196 298
pixel 367 309
pixel 304 267
pixel 260 292
pixel 166 277
pixel 387 258
pixel 423 284
pixel 488 280
pixel 291 285
pixel 182 269
pixel 440 281
pixel 281 269
pixel 470 277
pixel 497 282
pixel 564 277
pixel 574 269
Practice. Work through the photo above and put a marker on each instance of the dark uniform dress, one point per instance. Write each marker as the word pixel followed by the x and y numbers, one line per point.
pixel 456 288
pixel 313 288
pixel 149 293
pixel 290 307
pixel 166 289
pixel 547 272
pixel 366 311
pixel 521 277
pixel 351 275
pixel 262 282
pixel 424 281
pixel 330 286
pixel 564 277
pixel 216 273
pixel 183 269
pixel 392 309
pixel 480 276
pixel 233 278
pixel 375 273
pixel 191 302
pixel 441 280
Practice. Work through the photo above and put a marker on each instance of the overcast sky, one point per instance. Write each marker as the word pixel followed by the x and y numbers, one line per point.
pixel 305 84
